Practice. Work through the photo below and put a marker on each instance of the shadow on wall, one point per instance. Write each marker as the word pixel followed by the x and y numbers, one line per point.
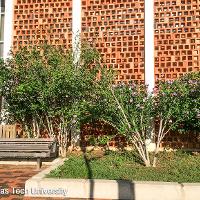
pixel 126 189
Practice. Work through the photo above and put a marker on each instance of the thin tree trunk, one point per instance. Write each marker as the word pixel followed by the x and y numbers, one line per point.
pixel 49 127
pixel 27 131
pixel 34 128
pixel 142 152
pixel 37 129
pixel 159 139
pixel 155 155
pixel 63 138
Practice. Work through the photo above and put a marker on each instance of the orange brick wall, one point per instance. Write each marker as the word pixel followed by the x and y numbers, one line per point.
pixel 117 29
pixel 177 38
pixel 36 21
pixel 189 140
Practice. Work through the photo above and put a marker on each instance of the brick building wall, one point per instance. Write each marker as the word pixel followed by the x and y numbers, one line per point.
pixel 36 21
pixel 116 27
pixel 177 38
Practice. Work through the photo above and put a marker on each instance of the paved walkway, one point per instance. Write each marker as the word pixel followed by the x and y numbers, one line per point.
pixel 12 181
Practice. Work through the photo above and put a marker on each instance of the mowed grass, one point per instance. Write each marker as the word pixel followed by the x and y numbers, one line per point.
pixel 172 167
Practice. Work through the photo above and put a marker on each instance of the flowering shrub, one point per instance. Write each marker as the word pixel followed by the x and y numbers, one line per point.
pixel 192 82
pixel 172 106
pixel 46 92
pixel 132 111
pixel 129 108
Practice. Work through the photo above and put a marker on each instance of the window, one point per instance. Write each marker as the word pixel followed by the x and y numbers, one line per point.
pixel 2 14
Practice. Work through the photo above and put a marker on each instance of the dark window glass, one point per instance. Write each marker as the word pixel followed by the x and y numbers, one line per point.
pixel 1 27
pixel 1 50
pixel 2 6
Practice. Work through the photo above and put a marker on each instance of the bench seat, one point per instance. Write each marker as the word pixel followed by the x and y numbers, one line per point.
pixel 28 148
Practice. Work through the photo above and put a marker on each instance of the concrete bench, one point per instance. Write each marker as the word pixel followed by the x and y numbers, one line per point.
pixel 28 148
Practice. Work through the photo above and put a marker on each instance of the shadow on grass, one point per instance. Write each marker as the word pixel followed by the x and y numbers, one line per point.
pixel 90 174
pixel 126 189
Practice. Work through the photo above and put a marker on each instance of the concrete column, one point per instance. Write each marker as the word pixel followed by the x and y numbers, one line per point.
pixel 76 29
pixel 149 44
pixel 8 27
pixel 149 60
pixel 76 45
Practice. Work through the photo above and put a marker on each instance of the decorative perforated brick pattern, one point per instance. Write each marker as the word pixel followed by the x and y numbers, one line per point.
pixel 37 21
pixel 177 38
pixel 116 27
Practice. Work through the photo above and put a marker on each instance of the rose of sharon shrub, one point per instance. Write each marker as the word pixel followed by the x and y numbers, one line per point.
pixel 132 111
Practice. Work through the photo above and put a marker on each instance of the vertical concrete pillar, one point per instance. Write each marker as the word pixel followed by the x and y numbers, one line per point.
pixel 149 44
pixel 76 45
pixel 149 60
pixel 8 27
pixel 76 29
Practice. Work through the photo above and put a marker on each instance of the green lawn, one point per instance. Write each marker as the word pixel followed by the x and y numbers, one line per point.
pixel 172 167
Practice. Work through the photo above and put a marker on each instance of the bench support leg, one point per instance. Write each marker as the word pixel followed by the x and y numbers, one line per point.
pixel 39 163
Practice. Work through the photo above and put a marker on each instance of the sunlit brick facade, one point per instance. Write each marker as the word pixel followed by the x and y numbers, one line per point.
pixel 116 28
pixel 177 37
pixel 39 21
